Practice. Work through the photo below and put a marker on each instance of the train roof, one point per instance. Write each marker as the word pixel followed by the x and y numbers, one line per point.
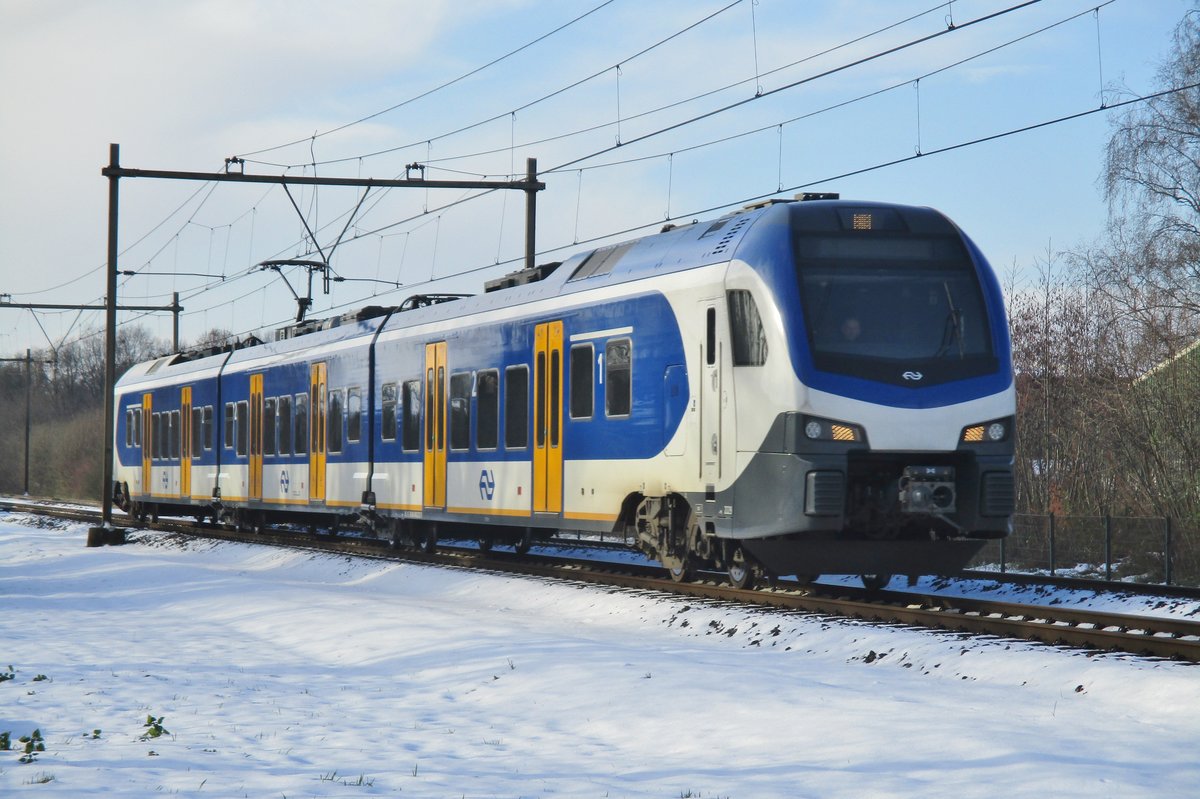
pixel 676 248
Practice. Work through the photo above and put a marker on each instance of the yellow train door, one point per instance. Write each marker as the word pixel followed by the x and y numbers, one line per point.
pixel 547 423
pixel 254 445
pixel 147 442
pixel 185 443
pixel 316 450
pixel 435 425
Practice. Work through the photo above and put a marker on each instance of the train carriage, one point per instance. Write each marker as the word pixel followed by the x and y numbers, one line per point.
pixel 795 388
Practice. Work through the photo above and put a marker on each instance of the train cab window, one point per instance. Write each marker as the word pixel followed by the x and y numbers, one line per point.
pixel 618 377
pixel 207 434
pixel 746 328
pixel 242 425
pixel 268 431
pixel 285 424
pixel 229 425
pixel 487 406
pixel 300 439
pixel 333 435
pixel 886 304
pixel 353 414
pixel 516 407
pixel 387 430
pixel 175 431
pixel 411 433
pixel 582 380
pixel 460 409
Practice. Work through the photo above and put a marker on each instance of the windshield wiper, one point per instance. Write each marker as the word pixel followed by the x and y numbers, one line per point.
pixel 952 332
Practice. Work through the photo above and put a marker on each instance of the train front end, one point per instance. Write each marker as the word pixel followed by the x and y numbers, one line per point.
pixel 887 447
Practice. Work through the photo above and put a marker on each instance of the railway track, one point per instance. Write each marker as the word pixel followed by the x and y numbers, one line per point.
pixel 1061 626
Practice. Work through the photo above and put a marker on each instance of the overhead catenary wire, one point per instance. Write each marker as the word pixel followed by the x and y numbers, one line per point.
pixel 835 106
pixel 793 84
pixel 439 87
pixel 524 107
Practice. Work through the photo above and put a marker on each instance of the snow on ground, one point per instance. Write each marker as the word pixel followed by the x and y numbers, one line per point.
pixel 290 674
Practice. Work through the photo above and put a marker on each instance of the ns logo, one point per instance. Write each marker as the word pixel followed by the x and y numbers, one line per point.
pixel 913 376
pixel 487 484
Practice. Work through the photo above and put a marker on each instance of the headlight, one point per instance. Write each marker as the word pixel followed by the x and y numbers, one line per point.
pixel 988 432
pixel 816 429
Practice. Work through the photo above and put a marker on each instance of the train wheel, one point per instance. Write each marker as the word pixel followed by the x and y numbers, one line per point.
pixel 486 541
pixel 399 538
pixel 525 542
pixel 682 572
pixel 741 573
pixel 876 582
pixel 429 540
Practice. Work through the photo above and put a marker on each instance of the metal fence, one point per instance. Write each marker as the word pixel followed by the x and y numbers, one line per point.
pixel 1151 550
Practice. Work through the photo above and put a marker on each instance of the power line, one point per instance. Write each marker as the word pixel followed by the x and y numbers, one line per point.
pixel 438 88
pixel 695 97
pixel 524 107
pixel 844 103
pixel 809 79
pixel 801 82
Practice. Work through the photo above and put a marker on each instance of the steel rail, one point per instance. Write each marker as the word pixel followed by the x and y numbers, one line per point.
pixel 1172 638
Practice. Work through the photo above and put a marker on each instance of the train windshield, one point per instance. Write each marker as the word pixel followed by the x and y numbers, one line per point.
pixel 899 309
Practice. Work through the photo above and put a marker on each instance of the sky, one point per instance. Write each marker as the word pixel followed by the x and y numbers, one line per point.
pixel 637 113
pixel 331 676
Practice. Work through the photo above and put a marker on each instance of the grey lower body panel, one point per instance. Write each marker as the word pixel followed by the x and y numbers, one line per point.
pixel 813 556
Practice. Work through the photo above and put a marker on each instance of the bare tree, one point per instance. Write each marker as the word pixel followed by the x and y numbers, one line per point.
pixel 1151 262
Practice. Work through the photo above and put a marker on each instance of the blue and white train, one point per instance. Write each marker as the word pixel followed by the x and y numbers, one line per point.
pixel 800 387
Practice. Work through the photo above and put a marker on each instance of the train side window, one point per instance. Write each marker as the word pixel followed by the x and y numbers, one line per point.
pixel 487 405
pixel 197 432
pixel 353 414
pixel 242 423
pixel 229 425
pixel 301 424
pixel 516 407
pixel 460 410
pixel 285 424
pixel 175 431
pixel 749 340
pixel 387 429
pixel 129 427
pixel 137 427
pixel 412 416
pixel 582 379
pixel 208 427
pixel 333 435
pixel 156 435
pixel 618 377
pixel 268 431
